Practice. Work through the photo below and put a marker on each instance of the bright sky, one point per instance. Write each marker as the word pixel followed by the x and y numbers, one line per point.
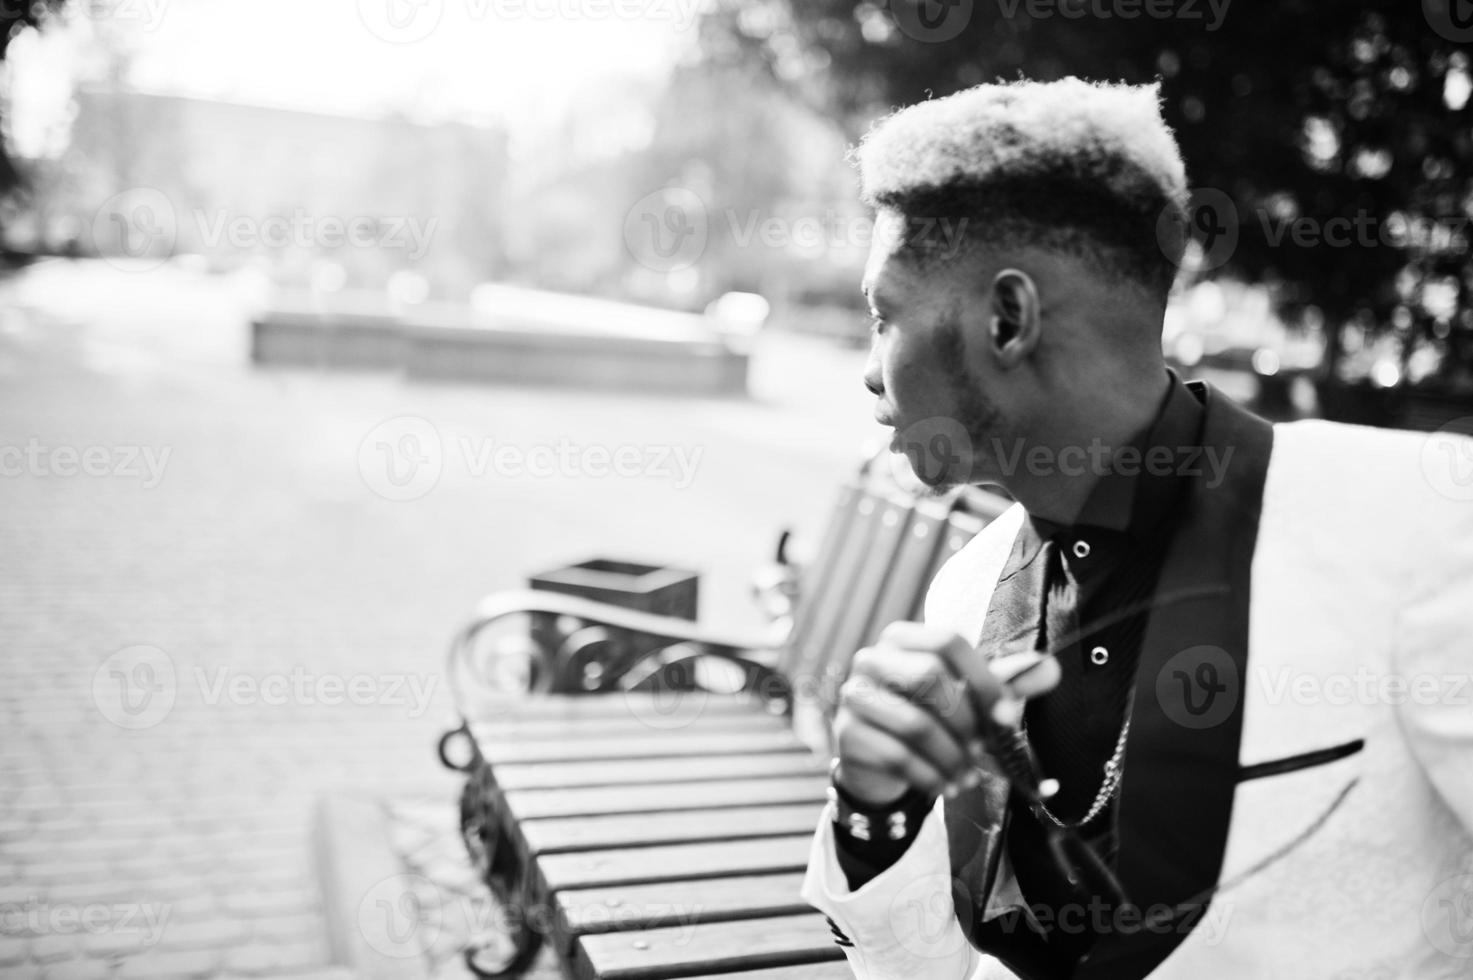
pixel 521 60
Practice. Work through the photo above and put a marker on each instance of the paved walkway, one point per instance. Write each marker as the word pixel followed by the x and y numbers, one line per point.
pixel 211 616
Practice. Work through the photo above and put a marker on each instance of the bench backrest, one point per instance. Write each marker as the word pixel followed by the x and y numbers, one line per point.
pixel 882 547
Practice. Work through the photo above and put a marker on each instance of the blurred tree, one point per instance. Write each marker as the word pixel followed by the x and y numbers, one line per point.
pixel 1333 145
pixel 14 18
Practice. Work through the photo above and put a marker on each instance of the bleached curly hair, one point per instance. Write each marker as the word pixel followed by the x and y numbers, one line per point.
pixel 1085 168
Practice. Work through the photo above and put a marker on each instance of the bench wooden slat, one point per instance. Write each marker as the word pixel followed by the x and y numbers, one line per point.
pixel 629 704
pixel 816 577
pixel 747 944
pixel 889 538
pixel 960 529
pixel 910 570
pixel 836 595
pixel 620 725
pixel 534 803
pixel 558 834
pixel 625 907
pixel 831 970
pixel 664 745
pixel 673 862
pixel 629 772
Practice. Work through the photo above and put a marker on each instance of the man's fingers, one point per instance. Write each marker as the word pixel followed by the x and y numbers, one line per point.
pixel 1026 675
pixel 920 731
pixel 924 639
pixel 1020 676
pixel 862 746
pixel 959 656
pixel 923 679
pixel 998 685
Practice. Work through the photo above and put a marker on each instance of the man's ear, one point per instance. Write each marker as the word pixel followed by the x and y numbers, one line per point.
pixel 1015 322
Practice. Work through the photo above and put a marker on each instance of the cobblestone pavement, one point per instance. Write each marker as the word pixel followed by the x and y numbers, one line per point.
pixel 211 617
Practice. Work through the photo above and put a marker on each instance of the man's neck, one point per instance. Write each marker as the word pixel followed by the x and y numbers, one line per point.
pixel 1085 441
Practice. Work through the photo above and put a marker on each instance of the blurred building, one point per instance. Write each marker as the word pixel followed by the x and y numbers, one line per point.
pixel 292 192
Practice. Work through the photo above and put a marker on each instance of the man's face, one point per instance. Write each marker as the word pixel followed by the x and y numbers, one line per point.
pixel 927 364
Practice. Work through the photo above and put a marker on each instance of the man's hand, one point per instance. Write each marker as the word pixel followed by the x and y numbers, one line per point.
pixel 908 714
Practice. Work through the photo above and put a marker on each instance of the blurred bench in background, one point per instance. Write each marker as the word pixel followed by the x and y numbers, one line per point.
pixel 516 335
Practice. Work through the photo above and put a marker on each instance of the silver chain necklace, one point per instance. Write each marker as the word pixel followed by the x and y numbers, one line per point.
pixel 1114 769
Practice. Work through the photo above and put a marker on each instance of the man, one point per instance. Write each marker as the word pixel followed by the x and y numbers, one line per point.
pixel 1239 653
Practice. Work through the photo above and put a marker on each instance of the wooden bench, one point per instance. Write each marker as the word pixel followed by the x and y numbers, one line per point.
pixel 645 803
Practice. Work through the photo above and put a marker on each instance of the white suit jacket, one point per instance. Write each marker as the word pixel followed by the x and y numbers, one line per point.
pixel 1335 820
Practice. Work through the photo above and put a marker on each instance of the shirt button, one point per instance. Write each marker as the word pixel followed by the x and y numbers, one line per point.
pixel 1099 656
pixel 1081 549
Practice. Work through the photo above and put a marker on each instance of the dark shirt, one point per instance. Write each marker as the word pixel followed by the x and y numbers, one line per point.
pixel 1084 592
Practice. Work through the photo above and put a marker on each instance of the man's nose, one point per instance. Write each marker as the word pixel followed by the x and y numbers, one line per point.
pixel 873 374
